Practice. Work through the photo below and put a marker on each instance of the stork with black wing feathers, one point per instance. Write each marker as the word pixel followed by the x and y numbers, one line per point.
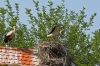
pixel 55 31
pixel 9 36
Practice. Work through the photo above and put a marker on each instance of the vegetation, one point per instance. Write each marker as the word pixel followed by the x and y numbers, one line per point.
pixel 83 48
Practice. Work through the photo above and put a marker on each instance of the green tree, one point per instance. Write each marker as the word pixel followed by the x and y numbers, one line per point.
pixel 83 48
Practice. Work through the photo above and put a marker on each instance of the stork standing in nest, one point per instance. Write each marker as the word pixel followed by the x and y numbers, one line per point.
pixel 10 35
pixel 55 31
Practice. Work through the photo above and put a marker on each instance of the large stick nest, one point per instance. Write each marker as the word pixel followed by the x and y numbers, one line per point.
pixel 53 54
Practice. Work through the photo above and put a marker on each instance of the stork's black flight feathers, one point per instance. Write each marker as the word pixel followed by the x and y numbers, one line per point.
pixel 55 28
pixel 6 38
pixel 54 31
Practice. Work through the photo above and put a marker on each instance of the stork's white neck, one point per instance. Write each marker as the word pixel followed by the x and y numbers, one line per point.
pixel 15 29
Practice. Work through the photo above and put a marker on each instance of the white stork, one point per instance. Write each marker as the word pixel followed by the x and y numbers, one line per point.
pixel 10 35
pixel 55 31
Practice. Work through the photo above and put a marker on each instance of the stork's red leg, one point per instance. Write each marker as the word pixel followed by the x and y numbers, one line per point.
pixel 9 43
pixel 54 38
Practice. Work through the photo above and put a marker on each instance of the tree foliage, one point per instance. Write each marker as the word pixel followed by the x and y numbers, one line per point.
pixel 83 48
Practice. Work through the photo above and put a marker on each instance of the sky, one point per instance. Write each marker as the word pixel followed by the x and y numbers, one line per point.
pixel 92 6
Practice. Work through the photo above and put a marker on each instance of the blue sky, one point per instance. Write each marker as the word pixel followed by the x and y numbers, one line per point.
pixel 91 6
